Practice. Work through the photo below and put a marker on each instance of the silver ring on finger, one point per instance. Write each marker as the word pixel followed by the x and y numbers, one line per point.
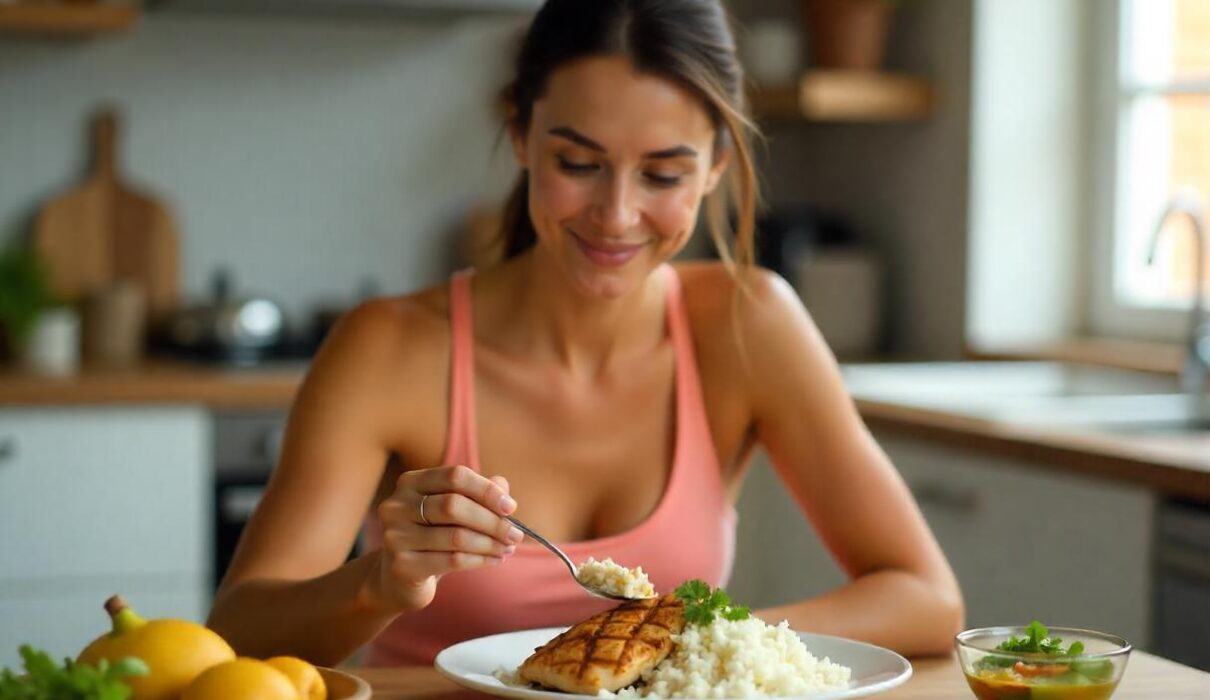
pixel 423 518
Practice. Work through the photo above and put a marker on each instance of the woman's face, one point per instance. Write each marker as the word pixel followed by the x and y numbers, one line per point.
pixel 619 162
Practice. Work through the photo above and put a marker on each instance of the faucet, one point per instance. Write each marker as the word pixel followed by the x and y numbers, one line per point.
pixel 1197 344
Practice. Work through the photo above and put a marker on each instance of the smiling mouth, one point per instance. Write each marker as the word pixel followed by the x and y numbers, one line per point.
pixel 607 255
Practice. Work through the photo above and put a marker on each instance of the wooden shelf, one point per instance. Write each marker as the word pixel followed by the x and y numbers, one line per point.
pixel 68 20
pixel 847 96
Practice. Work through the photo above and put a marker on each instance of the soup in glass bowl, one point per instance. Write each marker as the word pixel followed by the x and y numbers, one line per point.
pixel 1035 663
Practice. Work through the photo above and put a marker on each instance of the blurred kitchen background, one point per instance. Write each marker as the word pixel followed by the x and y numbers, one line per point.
pixel 966 194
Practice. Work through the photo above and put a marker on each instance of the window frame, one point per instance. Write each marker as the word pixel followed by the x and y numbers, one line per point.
pixel 1111 93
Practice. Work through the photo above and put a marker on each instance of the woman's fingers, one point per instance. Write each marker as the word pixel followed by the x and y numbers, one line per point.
pixel 448 539
pixel 442 520
pixel 458 510
pixel 409 565
pixel 462 480
pixel 458 496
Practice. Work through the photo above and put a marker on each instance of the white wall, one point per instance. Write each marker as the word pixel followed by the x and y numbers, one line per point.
pixel 1028 152
pixel 306 153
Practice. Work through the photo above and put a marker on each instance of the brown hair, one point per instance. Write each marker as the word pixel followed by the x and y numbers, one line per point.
pixel 686 41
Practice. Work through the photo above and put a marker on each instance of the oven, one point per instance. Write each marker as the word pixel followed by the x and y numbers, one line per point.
pixel 1182 584
pixel 246 446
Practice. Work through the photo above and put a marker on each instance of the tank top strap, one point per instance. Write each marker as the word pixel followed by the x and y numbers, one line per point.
pixel 461 443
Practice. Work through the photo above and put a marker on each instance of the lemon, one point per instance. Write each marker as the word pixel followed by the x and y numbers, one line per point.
pixel 243 678
pixel 304 676
pixel 175 651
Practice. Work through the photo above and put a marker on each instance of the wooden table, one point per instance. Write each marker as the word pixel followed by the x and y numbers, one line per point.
pixel 1147 678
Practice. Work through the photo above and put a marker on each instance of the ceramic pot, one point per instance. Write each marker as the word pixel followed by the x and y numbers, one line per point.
pixel 847 34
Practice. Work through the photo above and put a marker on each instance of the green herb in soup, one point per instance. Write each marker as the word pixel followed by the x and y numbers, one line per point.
pixel 1039 641
pixel 1040 670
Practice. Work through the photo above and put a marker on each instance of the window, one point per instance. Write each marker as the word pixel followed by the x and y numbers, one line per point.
pixel 1158 111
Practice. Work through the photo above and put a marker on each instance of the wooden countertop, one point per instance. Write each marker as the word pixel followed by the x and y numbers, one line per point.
pixel 1141 355
pixel 1147 677
pixel 158 381
pixel 1177 465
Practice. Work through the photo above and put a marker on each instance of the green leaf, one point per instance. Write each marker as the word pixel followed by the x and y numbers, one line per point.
pixel 1036 632
pixel 740 613
pixel 693 590
pixel 702 604
pixel 46 679
pixel 38 664
pixel 698 615
pixel 24 291
pixel 1037 642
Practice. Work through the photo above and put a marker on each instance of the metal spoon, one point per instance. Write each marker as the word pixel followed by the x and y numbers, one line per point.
pixel 600 593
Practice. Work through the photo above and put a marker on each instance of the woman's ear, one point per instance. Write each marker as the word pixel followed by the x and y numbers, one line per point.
pixel 721 161
pixel 516 135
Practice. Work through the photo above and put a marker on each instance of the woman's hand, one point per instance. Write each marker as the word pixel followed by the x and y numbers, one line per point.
pixel 439 520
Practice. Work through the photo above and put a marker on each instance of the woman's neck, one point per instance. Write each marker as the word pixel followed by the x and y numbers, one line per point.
pixel 548 320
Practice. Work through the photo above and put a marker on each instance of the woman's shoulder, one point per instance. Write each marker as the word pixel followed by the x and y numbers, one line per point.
pixel 402 315
pixel 403 318
pixel 716 298
pixel 391 333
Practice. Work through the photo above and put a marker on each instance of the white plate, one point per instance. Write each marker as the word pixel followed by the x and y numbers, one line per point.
pixel 472 663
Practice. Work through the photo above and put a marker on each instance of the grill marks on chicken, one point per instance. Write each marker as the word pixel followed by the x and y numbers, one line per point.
pixel 609 650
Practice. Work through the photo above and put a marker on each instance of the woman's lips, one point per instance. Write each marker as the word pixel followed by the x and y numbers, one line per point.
pixel 607 255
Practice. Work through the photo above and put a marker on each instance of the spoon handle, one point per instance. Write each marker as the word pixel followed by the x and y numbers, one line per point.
pixel 544 542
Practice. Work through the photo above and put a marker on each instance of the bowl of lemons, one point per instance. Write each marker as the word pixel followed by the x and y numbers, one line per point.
pixel 171 659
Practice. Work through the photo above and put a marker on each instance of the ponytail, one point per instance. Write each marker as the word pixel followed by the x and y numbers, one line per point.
pixel 517 232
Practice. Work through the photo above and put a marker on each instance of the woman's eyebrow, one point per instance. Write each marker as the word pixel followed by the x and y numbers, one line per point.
pixel 576 137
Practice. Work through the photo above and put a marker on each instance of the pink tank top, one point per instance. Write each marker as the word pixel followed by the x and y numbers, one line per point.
pixel 690 534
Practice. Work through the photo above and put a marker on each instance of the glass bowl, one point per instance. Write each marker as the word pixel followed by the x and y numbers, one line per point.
pixel 1014 675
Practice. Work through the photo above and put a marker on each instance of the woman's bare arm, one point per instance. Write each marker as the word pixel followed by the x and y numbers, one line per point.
pixel 289 590
pixel 902 593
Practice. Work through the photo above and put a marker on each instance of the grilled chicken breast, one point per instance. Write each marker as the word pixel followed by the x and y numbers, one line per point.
pixel 610 650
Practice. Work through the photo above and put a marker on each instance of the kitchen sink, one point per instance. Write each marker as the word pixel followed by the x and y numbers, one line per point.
pixel 1052 394
pixel 941 380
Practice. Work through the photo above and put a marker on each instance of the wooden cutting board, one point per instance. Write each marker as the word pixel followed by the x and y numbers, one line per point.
pixel 104 230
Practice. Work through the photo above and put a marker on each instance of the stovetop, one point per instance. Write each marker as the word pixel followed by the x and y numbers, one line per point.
pixel 290 353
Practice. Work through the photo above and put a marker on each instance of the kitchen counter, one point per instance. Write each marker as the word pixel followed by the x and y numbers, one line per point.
pixel 1126 425
pixel 159 381
pixel 1147 678
pixel 1172 464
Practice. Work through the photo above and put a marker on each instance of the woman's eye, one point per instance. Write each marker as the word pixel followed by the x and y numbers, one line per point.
pixel 571 166
pixel 663 180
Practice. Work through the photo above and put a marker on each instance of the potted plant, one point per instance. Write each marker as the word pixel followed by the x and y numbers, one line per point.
pixel 848 34
pixel 38 328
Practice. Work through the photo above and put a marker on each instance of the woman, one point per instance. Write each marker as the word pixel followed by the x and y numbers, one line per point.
pixel 608 399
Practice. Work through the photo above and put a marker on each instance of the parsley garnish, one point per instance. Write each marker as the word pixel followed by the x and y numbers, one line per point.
pixel 45 679
pixel 702 604
pixel 1039 642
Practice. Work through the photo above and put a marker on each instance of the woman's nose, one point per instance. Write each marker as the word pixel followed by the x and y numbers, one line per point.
pixel 617 211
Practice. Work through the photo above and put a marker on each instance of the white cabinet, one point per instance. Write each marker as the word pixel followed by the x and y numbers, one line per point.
pixel 779 559
pixel 1025 542
pixel 1032 543
pixel 97 501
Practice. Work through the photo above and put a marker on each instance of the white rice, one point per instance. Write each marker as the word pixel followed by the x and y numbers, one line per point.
pixel 615 578
pixel 737 659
